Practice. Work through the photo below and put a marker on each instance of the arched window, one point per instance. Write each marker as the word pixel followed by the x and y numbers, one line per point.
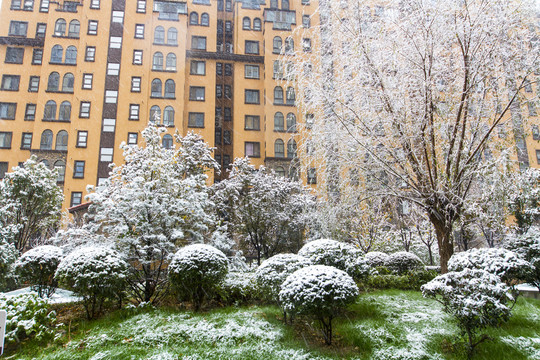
pixel 205 19
pixel 46 140
pixel 280 171
pixel 193 18
pixel 257 24
pixel 156 88
pixel 50 110
pixel 289 45
pixel 172 36
pixel 44 161
pixel 291 149
pixel 159 35
pixel 60 165
pixel 277 44
pixel 285 4
pixel 171 62
pixel 278 122
pixel 57 54
pixel 279 148
pixel 54 81
pixel 291 122
pixel 67 82
pixel 157 61
pixel 74 28
pixel 167 141
pixel 170 89
pixel 60 27
pixel 291 96
pixel 155 115
pixel 65 111
pixel 246 23
pixel 168 116
pixel 278 95
pixel 61 140
pixel 71 55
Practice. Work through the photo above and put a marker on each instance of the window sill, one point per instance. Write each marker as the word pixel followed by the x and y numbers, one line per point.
pixel 66 37
pixel 195 127
pixel 7 118
pixel 163 44
pixel 59 92
pixel 252 129
pixel 9 89
pixel 164 71
pixel 56 120
pixel 13 62
pixel 29 119
pixel 59 63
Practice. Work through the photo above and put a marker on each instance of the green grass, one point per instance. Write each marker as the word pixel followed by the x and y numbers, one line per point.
pixel 381 325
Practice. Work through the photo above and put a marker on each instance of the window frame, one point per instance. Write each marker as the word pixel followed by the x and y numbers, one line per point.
pixel 254 122
pixel 5 77
pixel 139 31
pixel 33 83
pixel 14 52
pixel 194 67
pixel 249 44
pixel 27 112
pixel 90 54
pixel 194 94
pixel 75 196
pixel 197 40
pixel 252 91
pixel 256 149
pixel 88 80
pixel 7 139
pixel 26 140
pixel 78 165
pixel 134 112
pixel 18 32
pixel 84 109
pixel 136 82
pixel 11 108
pixel 194 122
pixel 82 139
pixel 249 74
pixel 137 57
pixel 37 56
pixel 92 27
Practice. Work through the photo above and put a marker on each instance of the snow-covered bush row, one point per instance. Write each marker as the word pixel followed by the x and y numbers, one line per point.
pixel 337 254
pixel 196 270
pixel 527 246
pixel 504 263
pixel 38 266
pixel 273 271
pixel 476 298
pixel 403 261
pixel 27 315
pixel 94 273
pixel 8 256
pixel 239 287
pixel 319 291
pixel 376 258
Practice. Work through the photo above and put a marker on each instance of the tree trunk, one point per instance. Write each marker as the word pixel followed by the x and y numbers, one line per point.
pixel 443 230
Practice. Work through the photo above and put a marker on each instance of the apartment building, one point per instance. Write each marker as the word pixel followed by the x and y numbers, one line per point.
pixel 78 78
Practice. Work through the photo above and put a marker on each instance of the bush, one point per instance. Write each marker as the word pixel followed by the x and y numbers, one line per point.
pixel 28 316
pixel 413 280
pixel 527 246
pixel 196 270
pixel 273 272
pixel 94 273
pixel 319 291
pixel 403 261
pixel 376 259
pixel 8 256
pixel 504 263
pixel 239 288
pixel 38 266
pixel 476 299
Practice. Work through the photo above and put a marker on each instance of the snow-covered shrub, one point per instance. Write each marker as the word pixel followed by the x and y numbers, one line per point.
pixel 376 258
pixel 38 266
pixel 94 273
pixel 403 261
pixel 476 298
pixel 238 288
pixel 8 256
pixel 27 315
pixel 196 270
pixel 337 254
pixel 504 263
pixel 319 291
pixel 273 271
pixel 527 246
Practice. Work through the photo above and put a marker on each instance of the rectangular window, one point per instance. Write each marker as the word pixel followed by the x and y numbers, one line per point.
pixel 137 57
pixel 84 110
pixel 3 169
pixel 90 54
pixel 106 154
pixel 198 42
pixel 219 91
pixel 228 91
pixel 118 17
pixel 16 4
pixel 132 138
pixel 111 96
pixel 44 6
pixel 135 84
pixel 109 125
pixel 87 81
pixel 252 47
pixel 11 82
pixel 306 45
pixel 141 6
pixel 227 137
pixel 198 67
pixel 139 31
pixel 37 56
pixel 306 21
pixel 18 28
pixel 196 120
pixel 251 71
pixel 227 114
pixel 5 139
pixel 252 149
pixel 92 27
pixel 311 176
pixel 94 4
pixel 26 141
pixel 305 2
pixel 228 69
pixel 41 29
pixel 196 93
pixel 535 132
pixel 33 84
pixel 76 198
pixel 82 139
pixel 219 69
pixel 30 112
pixel 538 157
pixel 7 111
pixel 252 96
pixel 253 122
pixel 78 169
pixel 115 42
pixel 134 110
pixel 14 55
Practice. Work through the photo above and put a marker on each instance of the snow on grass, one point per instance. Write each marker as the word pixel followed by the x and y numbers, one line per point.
pixel 528 346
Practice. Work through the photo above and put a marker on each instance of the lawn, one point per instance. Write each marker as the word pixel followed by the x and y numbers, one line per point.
pixel 381 325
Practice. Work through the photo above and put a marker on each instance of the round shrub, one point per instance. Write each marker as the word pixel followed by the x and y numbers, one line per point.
pixel 527 246
pixel 319 291
pixel 403 261
pixel 238 288
pixel 273 271
pixel 196 270
pixel 94 273
pixel 504 263
pixel 38 266
pixel 376 259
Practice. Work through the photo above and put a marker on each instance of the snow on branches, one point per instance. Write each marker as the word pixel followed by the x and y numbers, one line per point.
pixel 38 266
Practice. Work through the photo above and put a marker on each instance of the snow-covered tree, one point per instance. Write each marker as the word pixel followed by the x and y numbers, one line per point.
pixel 8 256
pixel 524 198
pixel 156 200
pixel 30 203
pixel 527 246
pixel 412 94
pixel 38 266
pixel 267 212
